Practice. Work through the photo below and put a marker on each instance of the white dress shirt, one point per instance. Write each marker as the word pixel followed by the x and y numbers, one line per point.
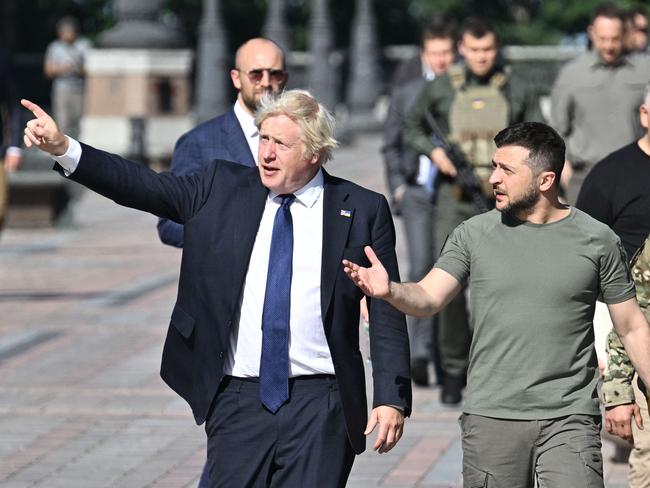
pixel 247 123
pixel 308 349
pixel 70 159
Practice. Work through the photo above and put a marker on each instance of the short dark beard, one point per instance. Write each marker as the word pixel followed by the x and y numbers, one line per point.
pixel 253 104
pixel 523 205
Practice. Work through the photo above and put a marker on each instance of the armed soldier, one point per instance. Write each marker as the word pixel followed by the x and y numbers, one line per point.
pixel 471 103
pixel 624 394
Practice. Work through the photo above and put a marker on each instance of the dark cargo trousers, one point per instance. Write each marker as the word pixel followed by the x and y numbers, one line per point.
pixel 418 214
pixel 562 452
pixel 454 332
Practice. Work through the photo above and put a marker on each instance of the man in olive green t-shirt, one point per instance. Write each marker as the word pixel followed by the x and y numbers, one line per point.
pixel 534 268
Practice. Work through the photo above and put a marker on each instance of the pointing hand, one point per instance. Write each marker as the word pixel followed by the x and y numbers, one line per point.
pixel 43 131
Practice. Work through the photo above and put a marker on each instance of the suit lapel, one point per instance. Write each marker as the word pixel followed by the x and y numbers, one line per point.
pixel 236 140
pixel 338 214
pixel 248 208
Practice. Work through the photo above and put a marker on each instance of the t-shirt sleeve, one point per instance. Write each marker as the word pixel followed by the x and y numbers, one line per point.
pixel 616 283
pixel 455 255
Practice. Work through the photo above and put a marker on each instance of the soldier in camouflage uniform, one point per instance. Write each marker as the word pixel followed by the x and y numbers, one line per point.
pixel 471 103
pixel 624 394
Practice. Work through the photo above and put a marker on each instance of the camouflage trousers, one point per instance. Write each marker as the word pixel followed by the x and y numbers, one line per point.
pixel 639 476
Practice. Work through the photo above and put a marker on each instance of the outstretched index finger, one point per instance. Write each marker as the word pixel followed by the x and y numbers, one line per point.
pixel 33 108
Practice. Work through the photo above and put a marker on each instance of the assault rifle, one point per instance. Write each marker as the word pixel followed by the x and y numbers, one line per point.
pixel 465 177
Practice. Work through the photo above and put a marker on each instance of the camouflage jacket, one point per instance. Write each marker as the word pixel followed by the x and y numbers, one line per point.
pixel 617 384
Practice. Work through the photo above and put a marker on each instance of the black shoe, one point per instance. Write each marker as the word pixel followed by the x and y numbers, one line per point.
pixel 420 372
pixel 451 390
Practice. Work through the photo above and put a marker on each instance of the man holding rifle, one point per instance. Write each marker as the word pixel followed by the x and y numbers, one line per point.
pixel 470 104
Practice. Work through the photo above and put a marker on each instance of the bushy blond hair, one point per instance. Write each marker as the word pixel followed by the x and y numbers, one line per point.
pixel 315 121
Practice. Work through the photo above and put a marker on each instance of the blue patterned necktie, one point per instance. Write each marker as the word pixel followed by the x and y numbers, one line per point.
pixel 274 364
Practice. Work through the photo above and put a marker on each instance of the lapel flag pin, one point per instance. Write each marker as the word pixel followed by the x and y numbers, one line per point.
pixel 346 213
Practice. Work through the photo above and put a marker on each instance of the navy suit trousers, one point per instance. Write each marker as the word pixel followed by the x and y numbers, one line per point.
pixel 303 444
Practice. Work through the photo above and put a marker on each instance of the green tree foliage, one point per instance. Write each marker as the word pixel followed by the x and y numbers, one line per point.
pixel 519 21
pixel 28 25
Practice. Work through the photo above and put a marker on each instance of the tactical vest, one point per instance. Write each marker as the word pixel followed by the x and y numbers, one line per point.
pixel 476 115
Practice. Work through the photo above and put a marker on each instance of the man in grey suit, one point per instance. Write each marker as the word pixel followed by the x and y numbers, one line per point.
pixel 410 179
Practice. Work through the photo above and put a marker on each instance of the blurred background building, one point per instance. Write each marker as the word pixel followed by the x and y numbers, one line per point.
pixel 175 54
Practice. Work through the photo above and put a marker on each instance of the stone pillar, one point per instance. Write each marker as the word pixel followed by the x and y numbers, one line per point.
pixel 127 84
pixel 137 27
pixel 364 83
pixel 212 79
pixel 322 71
pixel 137 85
pixel 275 26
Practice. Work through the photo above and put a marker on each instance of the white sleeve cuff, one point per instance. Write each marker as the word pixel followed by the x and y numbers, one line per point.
pixel 14 151
pixel 70 160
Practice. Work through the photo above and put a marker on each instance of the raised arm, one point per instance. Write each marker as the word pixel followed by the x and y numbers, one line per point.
pixel 126 182
pixel 420 299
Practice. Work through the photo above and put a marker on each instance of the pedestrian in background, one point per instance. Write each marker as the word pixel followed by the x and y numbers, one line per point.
pixel 595 98
pixel 410 177
pixel 258 70
pixel 64 65
pixel 636 29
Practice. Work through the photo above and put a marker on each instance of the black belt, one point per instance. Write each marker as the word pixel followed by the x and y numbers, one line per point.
pixel 296 379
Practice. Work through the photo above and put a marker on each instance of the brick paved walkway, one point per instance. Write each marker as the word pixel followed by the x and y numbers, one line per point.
pixel 83 314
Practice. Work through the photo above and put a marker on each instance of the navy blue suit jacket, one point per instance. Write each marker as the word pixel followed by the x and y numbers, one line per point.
pixel 221 209
pixel 218 138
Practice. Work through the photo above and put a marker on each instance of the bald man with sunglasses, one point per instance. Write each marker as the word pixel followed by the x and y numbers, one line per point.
pixel 259 69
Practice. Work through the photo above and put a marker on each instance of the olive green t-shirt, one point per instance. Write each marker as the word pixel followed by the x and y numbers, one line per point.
pixel 532 291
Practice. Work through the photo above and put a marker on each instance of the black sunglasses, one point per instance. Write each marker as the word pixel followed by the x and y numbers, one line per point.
pixel 256 75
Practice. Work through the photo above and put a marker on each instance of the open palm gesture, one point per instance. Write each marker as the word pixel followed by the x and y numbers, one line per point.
pixel 374 280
